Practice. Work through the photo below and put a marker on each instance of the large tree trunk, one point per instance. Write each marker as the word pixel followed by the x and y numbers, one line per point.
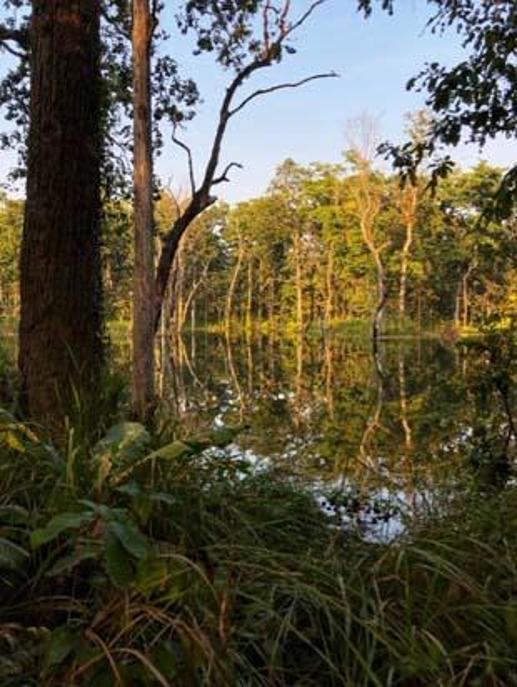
pixel 143 281
pixel 60 281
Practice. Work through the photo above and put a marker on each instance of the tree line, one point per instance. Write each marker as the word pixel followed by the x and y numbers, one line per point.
pixel 301 255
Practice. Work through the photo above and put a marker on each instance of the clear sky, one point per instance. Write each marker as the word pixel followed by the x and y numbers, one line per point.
pixel 374 58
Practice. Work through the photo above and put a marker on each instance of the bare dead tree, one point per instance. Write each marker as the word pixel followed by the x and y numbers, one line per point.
pixel 276 30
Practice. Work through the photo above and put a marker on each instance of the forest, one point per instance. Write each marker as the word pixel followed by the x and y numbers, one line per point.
pixel 269 441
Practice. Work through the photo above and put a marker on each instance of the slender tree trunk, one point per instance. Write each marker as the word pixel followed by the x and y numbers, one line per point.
pixel 457 304
pixel 60 267
pixel 404 269
pixel 330 291
pixel 299 282
pixel 382 300
pixel 249 299
pixel 231 289
pixel 465 295
pixel 143 280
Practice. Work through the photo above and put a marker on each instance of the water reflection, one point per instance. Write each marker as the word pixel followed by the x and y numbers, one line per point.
pixel 323 409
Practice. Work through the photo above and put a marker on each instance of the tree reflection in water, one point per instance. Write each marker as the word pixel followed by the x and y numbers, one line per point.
pixel 397 429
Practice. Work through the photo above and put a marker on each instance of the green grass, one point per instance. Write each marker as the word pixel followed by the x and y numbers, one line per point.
pixel 144 560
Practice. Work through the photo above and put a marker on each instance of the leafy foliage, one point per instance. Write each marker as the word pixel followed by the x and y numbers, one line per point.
pixel 203 570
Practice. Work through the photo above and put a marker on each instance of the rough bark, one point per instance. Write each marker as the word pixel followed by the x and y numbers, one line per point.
pixel 143 280
pixel 60 269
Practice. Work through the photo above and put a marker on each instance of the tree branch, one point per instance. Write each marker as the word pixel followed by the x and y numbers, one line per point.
pixel 187 149
pixel 280 87
pixel 18 36
pixel 201 197
pixel 301 20
pixel 224 175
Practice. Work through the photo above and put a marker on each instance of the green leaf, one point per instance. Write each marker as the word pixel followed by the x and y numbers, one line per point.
pixel 177 449
pixel 12 556
pixel 14 515
pixel 123 444
pixel 119 564
pixel 126 439
pixel 61 644
pixel 59 524
pixel 151 574
pixel 131 538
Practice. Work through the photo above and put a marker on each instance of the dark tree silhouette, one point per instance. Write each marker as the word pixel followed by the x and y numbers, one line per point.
pixel 60 327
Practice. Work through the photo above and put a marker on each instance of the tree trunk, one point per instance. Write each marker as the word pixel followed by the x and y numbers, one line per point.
pixel 403 270
pixel 60 269
pixel 329 287
pixel 382 291
pixel 299 283
pixel 231 290
pixel 143 279
pixel 249 299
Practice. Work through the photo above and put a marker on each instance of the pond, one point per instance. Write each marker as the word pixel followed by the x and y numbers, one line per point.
pixel 377 440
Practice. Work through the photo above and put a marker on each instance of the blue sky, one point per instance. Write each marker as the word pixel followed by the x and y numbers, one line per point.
pixel 374 58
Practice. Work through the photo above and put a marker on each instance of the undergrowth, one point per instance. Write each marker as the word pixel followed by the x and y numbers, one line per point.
pixel 144 560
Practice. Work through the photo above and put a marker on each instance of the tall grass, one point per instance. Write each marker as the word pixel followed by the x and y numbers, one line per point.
pixel 144 560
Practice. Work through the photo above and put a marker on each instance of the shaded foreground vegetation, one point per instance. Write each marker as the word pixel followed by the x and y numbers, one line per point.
pixel 139 559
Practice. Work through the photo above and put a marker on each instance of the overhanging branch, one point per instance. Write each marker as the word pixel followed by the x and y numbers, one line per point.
pixel 187 149
pixel 224 176
pixel 280 87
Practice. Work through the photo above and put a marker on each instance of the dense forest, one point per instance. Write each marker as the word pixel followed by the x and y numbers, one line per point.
pixel 269 442
pixel 299 256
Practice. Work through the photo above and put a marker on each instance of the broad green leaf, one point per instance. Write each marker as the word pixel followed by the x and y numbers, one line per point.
pixel 13 441
pixel 151 574
pixel 118 561
pixel 177 449
pixel 123 444
pixel 61 644
pixel 59 524
pixel 126 441
pixel 14 515
pixel 12 556
pixel 131 538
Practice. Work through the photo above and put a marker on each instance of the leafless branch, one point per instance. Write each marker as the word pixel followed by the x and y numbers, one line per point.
pixel 224 176
pixel 201 197
pixel 301 20
pixel 283 16
pixel 18 36
pixel 187 149
pixel 280 87
pixel 11 50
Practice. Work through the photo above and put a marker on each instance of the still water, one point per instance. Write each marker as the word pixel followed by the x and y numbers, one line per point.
pixel 377 440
